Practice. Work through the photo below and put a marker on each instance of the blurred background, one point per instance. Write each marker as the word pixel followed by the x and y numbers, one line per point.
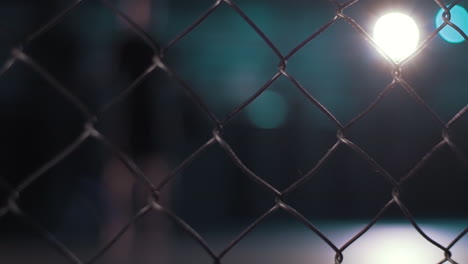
pixel 89 196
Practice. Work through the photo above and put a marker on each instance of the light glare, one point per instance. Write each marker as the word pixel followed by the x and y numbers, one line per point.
pixel 397 35
pixel 393 244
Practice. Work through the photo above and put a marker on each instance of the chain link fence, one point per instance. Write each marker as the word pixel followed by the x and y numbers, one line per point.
pixel 19 55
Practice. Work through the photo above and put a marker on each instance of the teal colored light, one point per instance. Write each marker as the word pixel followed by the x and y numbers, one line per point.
pixel 459 17
pixel 268 111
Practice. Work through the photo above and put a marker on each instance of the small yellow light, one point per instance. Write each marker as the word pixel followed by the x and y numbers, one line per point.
pixel 397 35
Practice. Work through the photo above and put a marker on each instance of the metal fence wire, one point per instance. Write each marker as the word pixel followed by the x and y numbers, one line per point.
pixel 20 56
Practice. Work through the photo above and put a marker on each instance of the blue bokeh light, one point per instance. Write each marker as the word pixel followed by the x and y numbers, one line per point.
pixel 459 17
pixel 268 111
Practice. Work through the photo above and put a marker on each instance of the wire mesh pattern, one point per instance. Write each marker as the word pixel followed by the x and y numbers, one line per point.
pixel 18 55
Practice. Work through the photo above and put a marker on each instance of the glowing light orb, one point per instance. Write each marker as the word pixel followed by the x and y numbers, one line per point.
pixel 397 35
pixel 459 17
pixel 267 111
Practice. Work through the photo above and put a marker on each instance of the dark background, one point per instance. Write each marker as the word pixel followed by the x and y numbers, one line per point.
pixel 95 55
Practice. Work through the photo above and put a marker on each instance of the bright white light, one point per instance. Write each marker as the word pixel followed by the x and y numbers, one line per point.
pixel 397 35
pixel 397 248
pixel 392 244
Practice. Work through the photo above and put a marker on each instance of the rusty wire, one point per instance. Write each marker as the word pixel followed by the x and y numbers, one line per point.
pixel 18 55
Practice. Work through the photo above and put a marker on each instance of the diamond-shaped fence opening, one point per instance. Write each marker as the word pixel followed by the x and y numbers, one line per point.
pixel 143 131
